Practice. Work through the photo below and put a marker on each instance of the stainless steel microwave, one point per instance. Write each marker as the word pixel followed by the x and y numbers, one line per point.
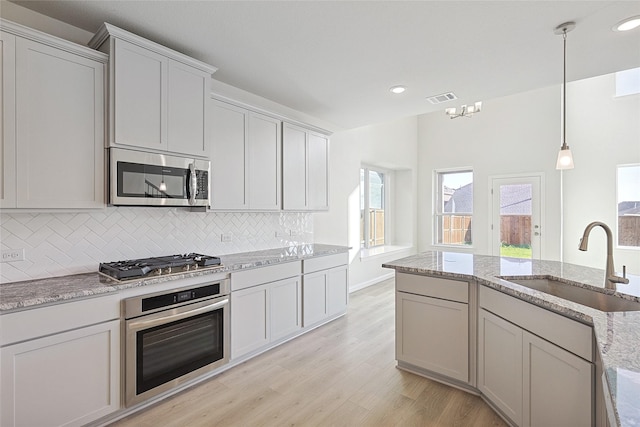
pixel 148 179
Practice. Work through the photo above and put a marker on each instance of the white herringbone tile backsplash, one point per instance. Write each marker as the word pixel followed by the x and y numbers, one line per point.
pixel 57 244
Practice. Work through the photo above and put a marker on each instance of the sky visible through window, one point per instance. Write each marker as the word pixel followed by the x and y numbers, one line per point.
pixel 629 183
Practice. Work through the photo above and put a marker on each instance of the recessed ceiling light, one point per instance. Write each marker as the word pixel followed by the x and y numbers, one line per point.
pixel 627 24
pixel 397 89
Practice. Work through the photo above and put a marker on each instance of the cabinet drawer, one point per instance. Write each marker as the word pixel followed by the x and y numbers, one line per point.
pixel 436 287
pixel 257 276
pixel 566 333
pixel 324 262
pixel 38 322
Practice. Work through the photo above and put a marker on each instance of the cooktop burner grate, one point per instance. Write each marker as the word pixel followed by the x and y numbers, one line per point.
pixel 157 266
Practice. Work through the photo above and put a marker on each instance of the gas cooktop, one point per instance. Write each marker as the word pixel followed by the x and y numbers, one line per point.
pixel 158 266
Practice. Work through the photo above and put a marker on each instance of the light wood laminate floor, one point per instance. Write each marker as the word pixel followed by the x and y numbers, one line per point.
pixel 341 374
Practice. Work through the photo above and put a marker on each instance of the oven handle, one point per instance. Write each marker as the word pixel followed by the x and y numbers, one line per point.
pixel 140 324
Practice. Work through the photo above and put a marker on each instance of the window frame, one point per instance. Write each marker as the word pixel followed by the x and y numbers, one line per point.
pixel 386 203
pixel 438 208
pixel 617 212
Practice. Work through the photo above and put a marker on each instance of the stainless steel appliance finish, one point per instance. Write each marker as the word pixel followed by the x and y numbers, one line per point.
pixel 157 266
pixel 139 178
pixel 174 336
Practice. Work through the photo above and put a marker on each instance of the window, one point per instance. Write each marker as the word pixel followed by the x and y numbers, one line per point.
pixel 453 207
pixel 628 82
pixel 372 207
pixel 629 206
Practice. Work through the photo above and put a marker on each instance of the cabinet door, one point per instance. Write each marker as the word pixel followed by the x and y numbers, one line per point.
pixel 318 176
pixel 60 128
pixel 67 379
pixel 249 320
pixel 433 334
pixel 557 386
pixel 140 107
pixel 500 363
pixel 8 120
pixel 314 297
pixel 264 162
pixel 285 307
pixel 229 165
pixel 338 290
pixel 294 168
pixel 187 97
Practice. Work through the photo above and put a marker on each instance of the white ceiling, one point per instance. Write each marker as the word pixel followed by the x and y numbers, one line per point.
pixel 335 60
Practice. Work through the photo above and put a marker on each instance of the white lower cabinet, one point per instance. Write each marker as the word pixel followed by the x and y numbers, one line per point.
pixel 263 313
pixel 325 288
pixel 533 381
pixel 66 379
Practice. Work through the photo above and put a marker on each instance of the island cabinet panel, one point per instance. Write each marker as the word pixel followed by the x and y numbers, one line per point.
pixel 433 334
pixel 67 379
pixel 557 385
pixel 500 364
pixel 535 379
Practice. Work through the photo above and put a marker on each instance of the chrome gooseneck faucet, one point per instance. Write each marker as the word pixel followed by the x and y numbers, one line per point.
pixel 610 277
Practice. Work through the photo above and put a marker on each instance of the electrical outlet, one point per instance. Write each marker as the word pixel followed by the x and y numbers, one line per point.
pixel 293 232
pixel 226 237
pixel 11 255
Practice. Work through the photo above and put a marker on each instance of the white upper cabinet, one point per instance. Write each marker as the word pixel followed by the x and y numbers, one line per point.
pixel 158 96
pixel 8 122
pixel 245 159
pixel 53 122
pixel 305 169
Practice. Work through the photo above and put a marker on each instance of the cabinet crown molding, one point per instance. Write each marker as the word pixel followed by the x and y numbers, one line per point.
pixel 52 41
pixel 107 30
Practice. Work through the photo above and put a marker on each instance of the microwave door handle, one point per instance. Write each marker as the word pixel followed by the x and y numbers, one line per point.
pixel 192 189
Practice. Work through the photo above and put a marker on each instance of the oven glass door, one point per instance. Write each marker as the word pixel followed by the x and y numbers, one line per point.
pixel 162 354
pixel 170 351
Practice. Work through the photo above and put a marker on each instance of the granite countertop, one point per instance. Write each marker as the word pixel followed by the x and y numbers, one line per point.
pixel 617 333
pixel 33 293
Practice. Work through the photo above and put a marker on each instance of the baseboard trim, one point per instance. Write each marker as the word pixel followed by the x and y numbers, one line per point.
pixel 371 282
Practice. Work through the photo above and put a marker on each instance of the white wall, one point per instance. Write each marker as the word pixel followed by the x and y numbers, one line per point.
pixel 521 133
pixel 512 135
pixel 390 145
pixel 603 131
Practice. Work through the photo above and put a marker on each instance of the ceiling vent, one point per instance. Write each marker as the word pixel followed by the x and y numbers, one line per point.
pixel 439 99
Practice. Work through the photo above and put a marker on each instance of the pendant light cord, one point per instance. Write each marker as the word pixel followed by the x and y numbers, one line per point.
pixel 564 91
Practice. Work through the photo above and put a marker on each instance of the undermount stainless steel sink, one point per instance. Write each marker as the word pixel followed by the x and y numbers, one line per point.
pixel 593 299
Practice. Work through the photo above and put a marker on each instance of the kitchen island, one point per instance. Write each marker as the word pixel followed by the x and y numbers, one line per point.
pixel 617 333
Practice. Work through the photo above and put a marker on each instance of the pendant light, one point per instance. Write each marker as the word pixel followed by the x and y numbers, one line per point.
pixel 565 159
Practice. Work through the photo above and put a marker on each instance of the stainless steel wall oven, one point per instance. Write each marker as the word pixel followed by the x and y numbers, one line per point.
pixel 174 336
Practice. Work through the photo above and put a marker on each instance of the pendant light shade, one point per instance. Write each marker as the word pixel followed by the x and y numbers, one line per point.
pixel 565 158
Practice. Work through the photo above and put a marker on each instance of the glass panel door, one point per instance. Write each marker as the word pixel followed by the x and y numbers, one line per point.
pixel 516 227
